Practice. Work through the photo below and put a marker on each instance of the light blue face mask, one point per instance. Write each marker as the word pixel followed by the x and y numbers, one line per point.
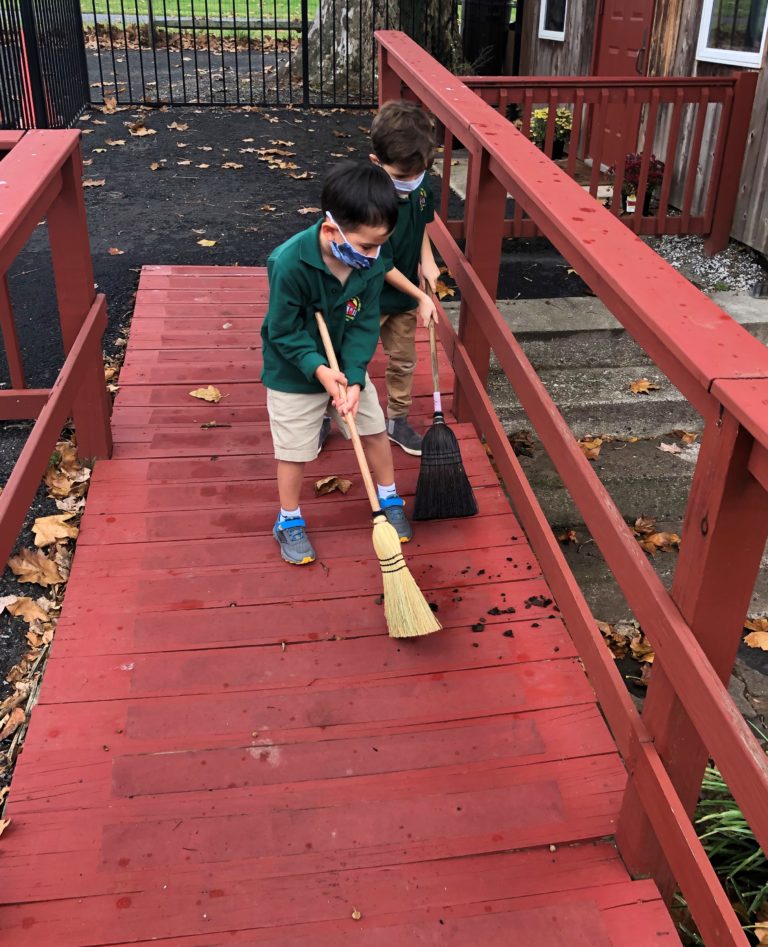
pixel 407 187
pixel 345 253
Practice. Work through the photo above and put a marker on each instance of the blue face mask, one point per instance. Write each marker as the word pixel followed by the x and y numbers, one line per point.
pixel 345 253
pixel 406 187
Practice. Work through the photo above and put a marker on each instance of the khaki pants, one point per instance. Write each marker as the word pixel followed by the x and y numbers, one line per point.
pixel 398 337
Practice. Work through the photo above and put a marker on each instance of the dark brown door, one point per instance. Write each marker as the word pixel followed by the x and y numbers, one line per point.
pixel 621 49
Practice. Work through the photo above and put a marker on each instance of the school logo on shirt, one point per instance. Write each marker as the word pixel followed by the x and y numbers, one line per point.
pixel 353 307
pixel 422 198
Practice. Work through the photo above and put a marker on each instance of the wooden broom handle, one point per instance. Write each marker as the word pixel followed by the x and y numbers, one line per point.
pixel 370 489
pixel 433 353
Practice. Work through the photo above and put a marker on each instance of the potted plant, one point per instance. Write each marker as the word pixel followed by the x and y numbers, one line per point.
pixel 632 167
pixel 562 129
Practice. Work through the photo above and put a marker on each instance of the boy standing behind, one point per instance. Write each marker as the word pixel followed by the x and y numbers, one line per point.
pixel 403 139
pixel 333 267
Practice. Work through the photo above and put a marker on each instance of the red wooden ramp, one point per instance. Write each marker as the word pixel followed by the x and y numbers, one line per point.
pixel 231 751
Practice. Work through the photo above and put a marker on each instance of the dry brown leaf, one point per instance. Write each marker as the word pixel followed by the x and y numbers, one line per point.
pixel 178 126
pixel 641 649
pixel 337 134
pixel 156 166
pixel 32 565
pixel 52 529
pixel 670 448
pixel 184 163
pixel 590 447
pixel 93 182
pixel 654 542
pixel 22 690
pixel 644 525
pixel 299 177
pixel 308 210
pixel 642 386
pixel 141 131
pixel 12 723
pixel 756 624
pixel 28 609
pixel 98 151
pixel 207 243
pixel 210 393
pixel 755 639
pixel 232 165
pixel 113 251
pixel 181 144
pixel 114 142
pixel 58 483
pixel 442 290
pixel 275 141
pixel 329 484
pixel 202 166
pixel 268 207
pixel 206 147
pixel 207 425
pixel 687 437
pixel 110 104
pixel 568 536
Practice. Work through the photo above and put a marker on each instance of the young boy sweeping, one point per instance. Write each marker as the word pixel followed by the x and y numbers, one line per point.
pixel 335 267
pixel 403 139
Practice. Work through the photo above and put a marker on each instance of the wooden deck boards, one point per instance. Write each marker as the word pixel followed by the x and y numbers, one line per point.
pixel 231 751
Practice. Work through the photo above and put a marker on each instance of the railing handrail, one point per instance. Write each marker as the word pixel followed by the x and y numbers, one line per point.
pixel 697 345
pixel 600 82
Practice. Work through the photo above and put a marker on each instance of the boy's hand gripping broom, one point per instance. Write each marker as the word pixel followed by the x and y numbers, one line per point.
pixel 405 608
pixel 443 489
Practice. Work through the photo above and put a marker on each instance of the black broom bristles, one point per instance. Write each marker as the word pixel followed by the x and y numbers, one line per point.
pixel 443 490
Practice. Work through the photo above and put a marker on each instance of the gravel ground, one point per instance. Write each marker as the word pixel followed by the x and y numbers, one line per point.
pixel 737 268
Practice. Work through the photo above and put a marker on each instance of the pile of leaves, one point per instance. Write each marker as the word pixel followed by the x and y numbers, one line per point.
pixel 127 36
pixel 46 566
pixel 626 638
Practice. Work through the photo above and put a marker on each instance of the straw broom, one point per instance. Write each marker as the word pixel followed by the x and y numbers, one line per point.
pixel 443 490
pixel 406 610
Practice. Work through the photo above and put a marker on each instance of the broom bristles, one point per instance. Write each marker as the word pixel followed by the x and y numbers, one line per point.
pixel 443 490
pixel 406 610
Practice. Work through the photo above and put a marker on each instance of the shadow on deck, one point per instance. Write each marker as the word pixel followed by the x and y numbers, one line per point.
pixel 231 751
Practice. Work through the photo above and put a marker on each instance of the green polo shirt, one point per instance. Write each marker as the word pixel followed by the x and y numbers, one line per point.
pixel 415 212
pixel 299 285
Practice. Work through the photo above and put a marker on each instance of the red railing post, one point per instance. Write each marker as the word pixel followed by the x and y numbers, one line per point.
pixel 75 292
pixel 484 222
pixel 727 185
pixel 724 535
pixel 10 337
pixel 389 81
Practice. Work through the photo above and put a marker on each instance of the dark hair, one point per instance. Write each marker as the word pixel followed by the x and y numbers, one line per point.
pixel 403 134
pixel 358 193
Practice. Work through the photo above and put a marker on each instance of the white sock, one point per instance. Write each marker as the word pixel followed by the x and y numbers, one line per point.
pixel 290 514
pixel 386 492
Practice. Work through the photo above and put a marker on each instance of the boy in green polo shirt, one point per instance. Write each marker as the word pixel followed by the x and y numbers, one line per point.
pixel 335 267
pixel 403 139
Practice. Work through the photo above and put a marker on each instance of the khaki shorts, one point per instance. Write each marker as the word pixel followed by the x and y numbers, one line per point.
pixel 296 419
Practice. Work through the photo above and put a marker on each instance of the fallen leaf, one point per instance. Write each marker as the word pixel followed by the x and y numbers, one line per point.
pixel 156 166
pixel 756 624
pixel 232 165
pixel 522 443
pixel 87 162
pixel 205 147
pixel 113 251
pixel 22 690
pixel 28 609
pixel 654 542
pixel 110 104
pixel 308 210
pixel 642 386
pixel 6 600
pixel 670 448
pixel 14 720
pixel 338 134
pixel 184 163
pixel 641 649
pixel 299 177
pixel 356 915
pixel 590 447
pixel 51 529
pixel 141 131
pixel 114 142
pixel 755 639
pixel 569 536
pixel 91 182
pixel 58 483
pixel 179 127
pixel 207 425
pixel 202 166
pixel 98 151
pixel 644 525
pixel 760 931
pixel 207 243
pixel 268 207
pixel 442 290
pixel 687 437
pixel 181 144
pixel 32 565
pixel 329 484
pixel 277 141
pixel 211 393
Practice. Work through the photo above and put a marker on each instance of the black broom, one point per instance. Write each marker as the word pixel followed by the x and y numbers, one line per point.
pixel 443 490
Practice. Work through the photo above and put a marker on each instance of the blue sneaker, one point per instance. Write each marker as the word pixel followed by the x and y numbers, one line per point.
pixel 393 510
pixel 294 543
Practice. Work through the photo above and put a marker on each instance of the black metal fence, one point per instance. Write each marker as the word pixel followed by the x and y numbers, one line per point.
pixel 43 71
pixel 251 52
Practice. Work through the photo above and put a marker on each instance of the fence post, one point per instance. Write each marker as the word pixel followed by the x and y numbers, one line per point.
pixel 733 159
pixel 389 81
pixel 32 74
pixel 75 292
pixel 724 534
pixel 484 228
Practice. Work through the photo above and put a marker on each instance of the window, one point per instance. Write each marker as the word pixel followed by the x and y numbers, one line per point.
pixel 732 32
pixel 552 19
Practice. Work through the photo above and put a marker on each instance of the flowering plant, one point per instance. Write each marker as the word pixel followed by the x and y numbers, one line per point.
pixel 563 122
pixel 632 165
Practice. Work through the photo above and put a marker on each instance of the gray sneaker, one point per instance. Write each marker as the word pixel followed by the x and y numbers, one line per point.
pixel 393 510
pixel 401 433
pixel 325 431
pixel 294 543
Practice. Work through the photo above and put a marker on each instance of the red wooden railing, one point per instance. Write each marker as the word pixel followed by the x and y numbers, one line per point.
pixel 723 371
pixel 40 177
pixel 697 126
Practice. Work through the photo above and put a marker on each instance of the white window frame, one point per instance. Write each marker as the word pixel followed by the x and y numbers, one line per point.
pixel 729 57
pixel 544 33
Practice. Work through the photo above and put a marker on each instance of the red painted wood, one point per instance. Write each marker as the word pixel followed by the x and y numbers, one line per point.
pixel 224 744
